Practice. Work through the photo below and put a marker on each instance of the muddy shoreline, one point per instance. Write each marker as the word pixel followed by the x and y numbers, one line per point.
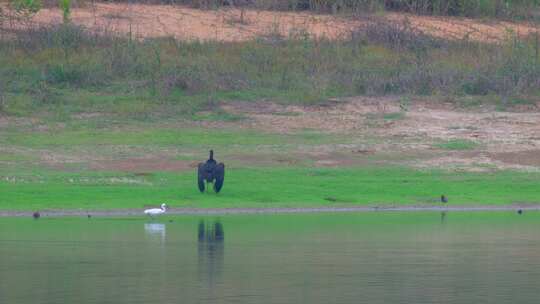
pixel 227 211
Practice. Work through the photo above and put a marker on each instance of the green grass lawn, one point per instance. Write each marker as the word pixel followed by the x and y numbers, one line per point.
pixel 457 144
pixel 29 182
pixel 162 136
pixel 268 187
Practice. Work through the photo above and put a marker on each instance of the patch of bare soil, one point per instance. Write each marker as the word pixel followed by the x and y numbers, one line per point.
pixel 501 139
pixel 498 131
pixel 143 165
pixel 183 22
pixel 87 115
pixel 11 122
pixel 336 117
pixel 263 159
pixel 464 28
pixel 523 158
pixel 141 20
pixel 3 121
pixel 317 158
pixel 342 159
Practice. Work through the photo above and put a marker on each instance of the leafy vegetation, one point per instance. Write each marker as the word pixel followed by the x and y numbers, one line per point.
pixel 65 6
pixel 67 68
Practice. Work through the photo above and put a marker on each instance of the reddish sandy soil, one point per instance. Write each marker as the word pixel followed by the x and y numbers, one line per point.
pixel 228 24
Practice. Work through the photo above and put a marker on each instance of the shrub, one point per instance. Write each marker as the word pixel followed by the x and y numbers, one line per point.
pixel 376 60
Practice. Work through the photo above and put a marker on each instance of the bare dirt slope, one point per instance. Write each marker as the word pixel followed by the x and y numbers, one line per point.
pixel 232 25
pixel 414 133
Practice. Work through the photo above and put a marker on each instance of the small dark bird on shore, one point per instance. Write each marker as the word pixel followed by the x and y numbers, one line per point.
pixel 36 215
pixel 444 199
pixel 89 215
pixel 520 211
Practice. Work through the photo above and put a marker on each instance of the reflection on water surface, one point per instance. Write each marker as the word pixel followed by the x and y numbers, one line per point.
pixel 156 230
pixel 210 253
pixel 425 257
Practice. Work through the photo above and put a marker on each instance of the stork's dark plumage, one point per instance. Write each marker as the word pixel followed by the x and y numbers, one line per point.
pixel 36 215
pixel 211 172
pixel 444 199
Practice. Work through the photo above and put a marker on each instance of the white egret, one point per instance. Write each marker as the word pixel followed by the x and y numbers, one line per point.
pixel 156 211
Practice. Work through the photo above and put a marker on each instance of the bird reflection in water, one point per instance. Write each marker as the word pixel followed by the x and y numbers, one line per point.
pixel 156 231
pixel 211 239
pixel 443 217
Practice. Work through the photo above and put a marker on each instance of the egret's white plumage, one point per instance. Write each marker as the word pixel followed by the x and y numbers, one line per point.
pixel 156 211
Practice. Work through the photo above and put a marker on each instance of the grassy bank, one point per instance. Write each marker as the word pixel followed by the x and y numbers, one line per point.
pixel 268 187
pixel 65 70
pixel 76 107
pixel 99 163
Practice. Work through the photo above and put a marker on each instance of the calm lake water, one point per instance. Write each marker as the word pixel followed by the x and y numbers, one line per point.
pixel 410 257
